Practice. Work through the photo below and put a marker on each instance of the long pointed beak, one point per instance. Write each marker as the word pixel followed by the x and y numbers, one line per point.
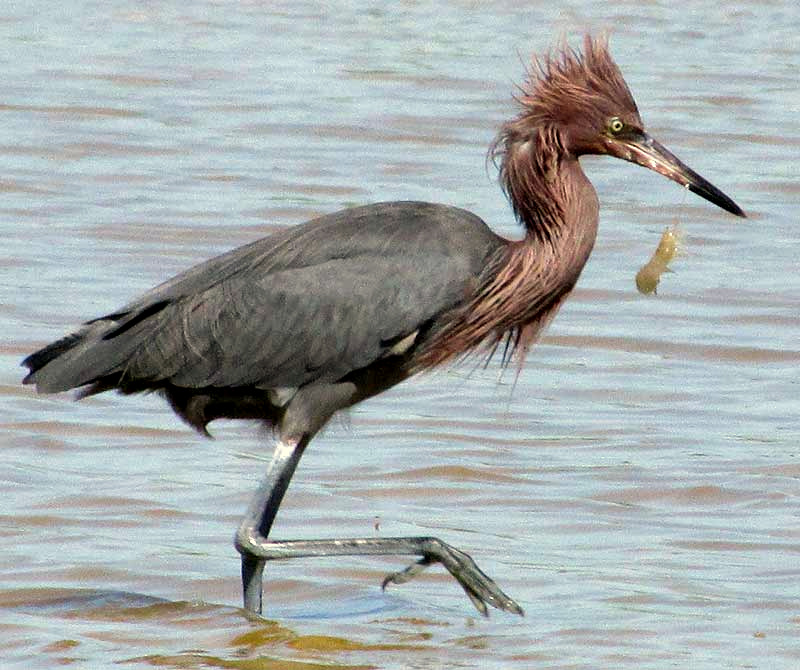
pixel 643 150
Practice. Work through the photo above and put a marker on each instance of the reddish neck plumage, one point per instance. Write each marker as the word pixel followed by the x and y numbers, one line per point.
pixel 543 181
pixel 558 207
pixel 524 286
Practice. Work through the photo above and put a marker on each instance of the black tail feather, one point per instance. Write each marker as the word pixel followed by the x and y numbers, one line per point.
pixel 38 359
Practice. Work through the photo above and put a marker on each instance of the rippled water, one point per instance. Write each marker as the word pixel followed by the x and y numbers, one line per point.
pixel 636 489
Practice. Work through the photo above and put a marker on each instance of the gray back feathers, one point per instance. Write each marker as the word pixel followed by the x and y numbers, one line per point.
pixel 313 302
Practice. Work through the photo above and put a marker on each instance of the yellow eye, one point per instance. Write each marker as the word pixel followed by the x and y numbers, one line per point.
pixel 616 125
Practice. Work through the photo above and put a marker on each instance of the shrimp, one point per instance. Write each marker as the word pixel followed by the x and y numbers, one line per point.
pixel 669 246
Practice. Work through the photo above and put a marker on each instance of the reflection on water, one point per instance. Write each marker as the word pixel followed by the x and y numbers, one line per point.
pixel 635 487
pixel 97 618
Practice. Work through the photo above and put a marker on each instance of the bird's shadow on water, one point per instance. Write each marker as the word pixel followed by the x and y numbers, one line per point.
pixel 65 602
pixel 113 605
pixel 147 630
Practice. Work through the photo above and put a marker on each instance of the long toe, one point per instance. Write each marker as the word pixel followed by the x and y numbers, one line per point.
pixel 483 591
pixel 480 588
pixel 479 604
pixel 406 575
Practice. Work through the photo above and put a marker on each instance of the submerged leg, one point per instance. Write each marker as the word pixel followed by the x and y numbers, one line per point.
pixel 259 517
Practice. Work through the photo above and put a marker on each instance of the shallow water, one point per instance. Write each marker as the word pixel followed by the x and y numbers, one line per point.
pixel 636 488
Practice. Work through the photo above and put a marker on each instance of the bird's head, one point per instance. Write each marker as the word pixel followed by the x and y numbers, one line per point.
pixel 583 96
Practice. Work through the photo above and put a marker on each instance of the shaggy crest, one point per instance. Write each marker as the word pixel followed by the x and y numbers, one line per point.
pixel 568 86
pixel 566 100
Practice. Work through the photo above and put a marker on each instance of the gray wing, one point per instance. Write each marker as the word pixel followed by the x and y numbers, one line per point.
pixel 314 302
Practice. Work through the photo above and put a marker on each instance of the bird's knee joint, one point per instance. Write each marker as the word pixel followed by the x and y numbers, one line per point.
pixel 246 541
pixel 433 546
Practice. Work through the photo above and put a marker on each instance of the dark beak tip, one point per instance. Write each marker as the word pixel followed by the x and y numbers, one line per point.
pixel 649 153
pixel 737 211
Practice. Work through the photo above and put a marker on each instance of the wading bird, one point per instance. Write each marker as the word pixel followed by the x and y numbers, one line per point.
pixel 311 320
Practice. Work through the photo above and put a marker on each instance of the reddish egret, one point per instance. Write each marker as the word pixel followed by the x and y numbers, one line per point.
pixel 298 325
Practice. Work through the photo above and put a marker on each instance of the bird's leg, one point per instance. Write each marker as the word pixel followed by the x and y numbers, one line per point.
pixel 480 588
pixel 305 414
pixel 256 549
pixel 259 517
